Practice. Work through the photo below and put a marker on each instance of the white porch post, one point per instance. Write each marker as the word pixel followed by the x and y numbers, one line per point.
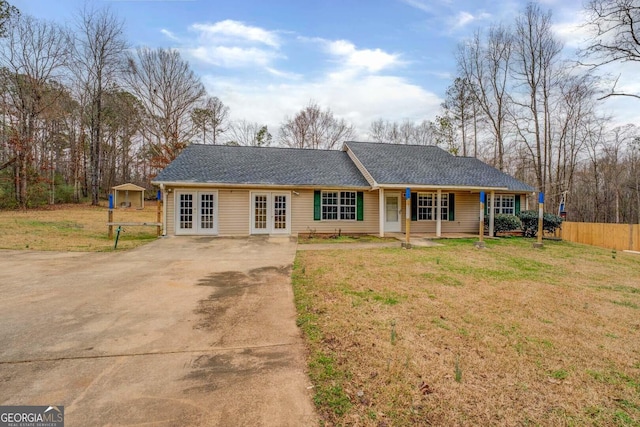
pixel 492 212
pixel 381 209
pixel 438 217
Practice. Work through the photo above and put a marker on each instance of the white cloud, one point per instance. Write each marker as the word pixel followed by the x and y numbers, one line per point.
pixel 169 34
pixel 572 32
pixel 236 31
pixel 232 44
pixel 420 5
pixel 371 60
pixel 465 18
pixel 357 99
pixel 426 5
pixel 284 74
pixel 355 83
pixel 233 56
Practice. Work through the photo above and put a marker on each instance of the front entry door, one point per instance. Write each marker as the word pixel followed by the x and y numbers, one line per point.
pixel 392 211
pixel 271 213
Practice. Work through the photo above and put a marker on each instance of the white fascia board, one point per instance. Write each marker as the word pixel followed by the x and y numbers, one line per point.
pixel 441 187
pixel 190 184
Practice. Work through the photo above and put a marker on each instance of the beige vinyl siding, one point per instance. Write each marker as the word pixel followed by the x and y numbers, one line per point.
pixel 467 216
pixel 302 215
pixel 233 212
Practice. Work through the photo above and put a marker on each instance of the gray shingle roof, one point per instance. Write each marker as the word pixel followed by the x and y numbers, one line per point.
pixel 223 164
pixel 428 165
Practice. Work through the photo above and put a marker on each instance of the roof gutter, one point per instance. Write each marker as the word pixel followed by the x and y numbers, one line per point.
pixel 255 185
pixel 441 187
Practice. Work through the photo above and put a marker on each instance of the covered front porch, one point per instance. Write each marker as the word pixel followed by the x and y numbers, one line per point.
pixel 446 212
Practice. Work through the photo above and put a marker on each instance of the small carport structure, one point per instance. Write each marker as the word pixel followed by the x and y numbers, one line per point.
pixel 128 196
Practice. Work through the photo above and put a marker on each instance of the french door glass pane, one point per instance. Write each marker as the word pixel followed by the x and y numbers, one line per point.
pixel 186 211
pixel 280 212
pixel 206 211
pixel 260 211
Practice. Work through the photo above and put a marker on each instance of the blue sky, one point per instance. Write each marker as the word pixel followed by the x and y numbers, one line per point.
pixel 365 60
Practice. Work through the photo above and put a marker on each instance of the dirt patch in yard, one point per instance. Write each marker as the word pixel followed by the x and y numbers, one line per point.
pixel 453 335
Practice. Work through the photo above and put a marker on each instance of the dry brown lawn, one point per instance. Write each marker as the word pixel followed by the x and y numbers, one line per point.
pixel 453 335
pixel 73 228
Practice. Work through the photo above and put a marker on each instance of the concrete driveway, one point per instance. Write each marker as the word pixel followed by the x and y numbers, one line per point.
pixel 180 332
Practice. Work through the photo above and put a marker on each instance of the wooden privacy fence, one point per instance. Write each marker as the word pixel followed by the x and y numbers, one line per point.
pixel 612 236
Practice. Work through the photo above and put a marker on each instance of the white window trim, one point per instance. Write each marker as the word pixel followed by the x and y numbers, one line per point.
pixel 498 204
pixel 434 207
pixel 339 205
pixel 196 213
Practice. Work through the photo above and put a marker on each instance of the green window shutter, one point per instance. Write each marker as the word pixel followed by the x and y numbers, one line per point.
pixel 517 204
pixel 360 206
pixel 317 205
pixel 414 206
pixel 452 207
pixel 486 205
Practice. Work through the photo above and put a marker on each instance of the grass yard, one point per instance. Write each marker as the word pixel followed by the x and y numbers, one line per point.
pixel 73 228
pixel 453 335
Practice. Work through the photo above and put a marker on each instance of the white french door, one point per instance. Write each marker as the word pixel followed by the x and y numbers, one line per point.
pixel 270 213
pixel 196 212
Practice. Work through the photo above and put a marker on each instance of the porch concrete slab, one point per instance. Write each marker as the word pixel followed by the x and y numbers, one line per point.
pixel 194 331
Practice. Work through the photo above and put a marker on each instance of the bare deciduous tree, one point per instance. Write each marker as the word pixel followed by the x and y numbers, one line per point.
pixel 459 106
pixel 243 132
pixel 406 132
pixel 213 116
pixel 615 29
pixel 486 65
pixel 168 90
pixel 535 55
pixel 34 53
pixel 315 128
pixel 98 58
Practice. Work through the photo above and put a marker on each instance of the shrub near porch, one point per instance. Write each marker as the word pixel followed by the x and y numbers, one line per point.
pixel 452 335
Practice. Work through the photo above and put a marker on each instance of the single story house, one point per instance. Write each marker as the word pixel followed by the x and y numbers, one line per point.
pixel 231 190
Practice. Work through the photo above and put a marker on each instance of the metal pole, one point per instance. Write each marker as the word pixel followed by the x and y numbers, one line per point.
pixel 115 246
